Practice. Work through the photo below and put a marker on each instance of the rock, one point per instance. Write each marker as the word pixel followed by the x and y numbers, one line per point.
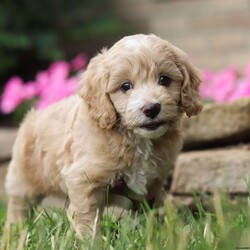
pixel 7 138
pixel 3 171
pixel 59 202
pixel 218 124
pixel 118 206
pixel 211 170
pixel 207 200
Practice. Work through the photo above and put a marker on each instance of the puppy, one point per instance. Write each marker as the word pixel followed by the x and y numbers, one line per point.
pixel 123 124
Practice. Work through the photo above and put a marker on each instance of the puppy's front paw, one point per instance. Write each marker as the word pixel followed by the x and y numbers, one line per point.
pixel 82 229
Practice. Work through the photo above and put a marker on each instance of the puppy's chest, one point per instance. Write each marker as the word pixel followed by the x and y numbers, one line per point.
pixel 142 167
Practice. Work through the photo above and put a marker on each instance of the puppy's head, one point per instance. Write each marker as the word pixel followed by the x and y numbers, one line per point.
pixel 143 83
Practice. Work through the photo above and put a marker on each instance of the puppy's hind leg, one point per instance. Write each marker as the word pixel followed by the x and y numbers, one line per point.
pixel 17 195
pixel 16 209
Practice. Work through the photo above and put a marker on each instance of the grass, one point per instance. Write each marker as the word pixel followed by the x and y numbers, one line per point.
pixel 222 225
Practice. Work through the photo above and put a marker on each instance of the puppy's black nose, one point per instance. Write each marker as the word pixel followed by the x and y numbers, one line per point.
pixel 151 110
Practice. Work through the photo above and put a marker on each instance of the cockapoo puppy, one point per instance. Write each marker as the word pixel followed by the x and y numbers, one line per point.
pixel 123 124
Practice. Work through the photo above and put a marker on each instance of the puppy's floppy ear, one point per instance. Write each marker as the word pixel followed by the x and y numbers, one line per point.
pixel 190 98
pixel 93 89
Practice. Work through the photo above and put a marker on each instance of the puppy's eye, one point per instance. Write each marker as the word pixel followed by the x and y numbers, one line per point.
pixel 126 86
pixel 164 80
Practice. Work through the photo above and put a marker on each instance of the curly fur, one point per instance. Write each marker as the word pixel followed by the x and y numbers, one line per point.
pixel 83 144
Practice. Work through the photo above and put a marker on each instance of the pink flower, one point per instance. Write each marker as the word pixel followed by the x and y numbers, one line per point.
pixel 224 85
pixel 247 72
pixel 59 71
pixel 206 88
pixel 30 90
pixel 51 83
pixel 58 88
pixel 42 81
pixel 71 85
pixel 243 90
pixel 243 86
pixel 41 104
pixel 49 86
pixel 12 95
pixel 79 62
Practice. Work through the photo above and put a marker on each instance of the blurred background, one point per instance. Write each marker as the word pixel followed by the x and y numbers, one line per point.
pixel 33 34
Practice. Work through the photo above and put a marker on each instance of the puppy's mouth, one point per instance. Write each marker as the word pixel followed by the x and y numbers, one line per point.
pixel 152 125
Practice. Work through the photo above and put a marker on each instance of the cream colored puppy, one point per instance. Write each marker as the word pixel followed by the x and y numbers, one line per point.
pixel 122 124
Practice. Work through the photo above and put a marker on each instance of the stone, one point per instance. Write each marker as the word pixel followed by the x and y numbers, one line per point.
pixel 7 138
pixel 51 201
pixel 218 124
pixel 118 206
pixel 206 171
pixel 207 200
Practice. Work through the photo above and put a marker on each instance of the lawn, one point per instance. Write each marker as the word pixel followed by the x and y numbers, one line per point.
pixel 222 225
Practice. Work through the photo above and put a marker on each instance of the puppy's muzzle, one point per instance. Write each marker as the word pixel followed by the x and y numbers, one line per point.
pixel 151 110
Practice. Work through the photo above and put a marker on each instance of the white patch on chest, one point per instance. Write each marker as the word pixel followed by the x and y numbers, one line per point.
pixel 143 169
pixel 136 181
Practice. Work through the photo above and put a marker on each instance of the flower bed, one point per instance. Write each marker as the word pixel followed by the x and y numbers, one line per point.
pixel 57 82
pixel 60 80
pixel 227 85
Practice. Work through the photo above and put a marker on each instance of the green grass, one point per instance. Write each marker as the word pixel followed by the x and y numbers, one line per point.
pixel 222 225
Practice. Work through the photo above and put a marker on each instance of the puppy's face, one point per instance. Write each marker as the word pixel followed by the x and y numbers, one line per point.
pixel 145 87
pixel 144 83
